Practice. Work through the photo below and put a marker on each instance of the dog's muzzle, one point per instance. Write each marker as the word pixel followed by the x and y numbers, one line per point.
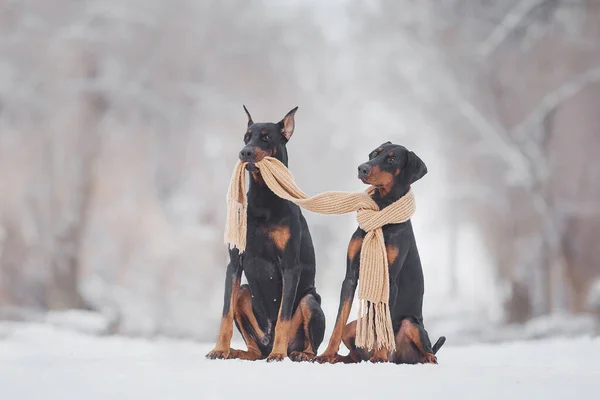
pixel 248 154
pixel 364 170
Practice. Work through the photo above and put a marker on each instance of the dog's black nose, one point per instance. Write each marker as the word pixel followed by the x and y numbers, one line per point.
pixel 364 170
pixel 247 154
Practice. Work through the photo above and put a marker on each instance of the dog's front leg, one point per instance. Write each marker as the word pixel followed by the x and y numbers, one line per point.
pixel 330 355
pixel 291 277
pixel 232 287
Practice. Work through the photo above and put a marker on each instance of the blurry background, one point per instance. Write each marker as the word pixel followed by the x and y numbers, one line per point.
pixel 121 120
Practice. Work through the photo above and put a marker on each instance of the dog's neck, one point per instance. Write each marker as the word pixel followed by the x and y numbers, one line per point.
pixel 259 194
pixel 396 192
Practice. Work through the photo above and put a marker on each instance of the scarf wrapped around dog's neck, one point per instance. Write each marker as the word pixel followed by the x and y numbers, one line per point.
pixel 374 324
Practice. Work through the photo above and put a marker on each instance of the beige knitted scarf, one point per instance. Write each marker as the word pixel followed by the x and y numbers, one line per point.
pixel 374 324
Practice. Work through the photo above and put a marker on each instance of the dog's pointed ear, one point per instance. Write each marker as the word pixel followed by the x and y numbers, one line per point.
pixel 415 168
pixel 250 122
pixel 287 124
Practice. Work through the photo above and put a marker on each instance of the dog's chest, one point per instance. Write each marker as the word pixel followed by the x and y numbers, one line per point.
pixel 260 242
pixel 262 259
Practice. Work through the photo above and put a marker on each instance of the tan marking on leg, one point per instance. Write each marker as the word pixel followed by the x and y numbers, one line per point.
pixel 405 352
pixel 354 247
pixel 349 335
pixel 412 332
pixel 279 351
pixel 302 318
pixel 295 324
pixel 306 316
pixel 338 330
pixel 223 347
pixel 282 332
pixel 349 339
pixel 330 354
pixel 244 310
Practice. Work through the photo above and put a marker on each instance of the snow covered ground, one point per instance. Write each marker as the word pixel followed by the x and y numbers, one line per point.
pixel 39 361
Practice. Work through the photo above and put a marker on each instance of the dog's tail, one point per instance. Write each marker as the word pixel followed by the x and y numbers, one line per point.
pixel 440 342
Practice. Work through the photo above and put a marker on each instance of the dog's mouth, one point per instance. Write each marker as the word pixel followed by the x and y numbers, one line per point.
pixel 251 167
pixel 368 181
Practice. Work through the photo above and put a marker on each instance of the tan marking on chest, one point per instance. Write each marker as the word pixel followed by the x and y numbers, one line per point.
pixel 280 235
pixel 392 254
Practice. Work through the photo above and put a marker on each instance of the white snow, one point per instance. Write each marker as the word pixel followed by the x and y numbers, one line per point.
pixel 45 362
pixel 89 322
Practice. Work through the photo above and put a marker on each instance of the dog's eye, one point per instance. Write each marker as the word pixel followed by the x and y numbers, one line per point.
pixel 266 138
pixel 246 137
pixel 392 160
pixel 373 155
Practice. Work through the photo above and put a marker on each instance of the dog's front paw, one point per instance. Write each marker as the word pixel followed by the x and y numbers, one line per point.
pixel 327 358
pixel 275 357
pixel 349 359
pixel 299 356
pixel 218 354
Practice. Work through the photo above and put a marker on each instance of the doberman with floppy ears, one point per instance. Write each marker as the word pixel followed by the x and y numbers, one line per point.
pixel 392 169
pixel 278 312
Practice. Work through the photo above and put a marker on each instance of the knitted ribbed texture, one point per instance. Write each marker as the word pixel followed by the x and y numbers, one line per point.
pixel 374 324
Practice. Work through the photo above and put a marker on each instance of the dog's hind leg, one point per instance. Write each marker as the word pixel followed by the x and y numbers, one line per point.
pixel 309 323
pixel 413 345
pixel 247 324
pixel 356 354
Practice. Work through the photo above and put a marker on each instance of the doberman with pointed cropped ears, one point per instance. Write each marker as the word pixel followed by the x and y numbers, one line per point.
pixel 279 311
pixel 392 169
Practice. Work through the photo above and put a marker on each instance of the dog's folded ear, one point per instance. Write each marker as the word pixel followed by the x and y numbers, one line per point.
pixel 415 168
pixel 287 124
pixel 250 122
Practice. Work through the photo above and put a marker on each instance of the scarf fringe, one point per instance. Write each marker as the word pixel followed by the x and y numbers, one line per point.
pixel 236 222
pixel 374 326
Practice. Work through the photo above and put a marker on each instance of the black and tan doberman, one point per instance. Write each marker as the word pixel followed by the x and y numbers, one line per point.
pixel 279 311
pixel 392 169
